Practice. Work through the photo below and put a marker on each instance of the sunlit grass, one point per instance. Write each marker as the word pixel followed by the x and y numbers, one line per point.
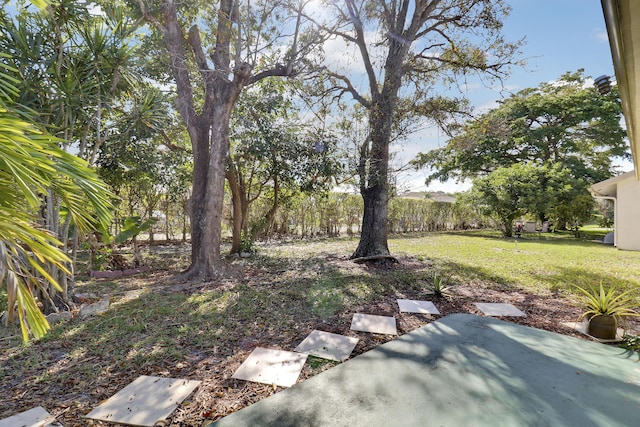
pixel 280 293
pixel 593 231
pixel 537 262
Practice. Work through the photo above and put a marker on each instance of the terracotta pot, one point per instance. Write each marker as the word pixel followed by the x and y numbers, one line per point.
pixel 603 327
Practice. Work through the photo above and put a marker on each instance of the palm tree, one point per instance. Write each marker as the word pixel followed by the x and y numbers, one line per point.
pixel 32 165
pixel 75 69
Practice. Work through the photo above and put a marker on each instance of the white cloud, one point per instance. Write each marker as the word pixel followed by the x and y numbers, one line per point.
pixel 341 56
pixel 415 181
pixel 345 58
pixel 508 88
pixel 95 10
pixel 469 87
pixel 601 34
pixel 623 165
pixel 317 10
pixel 450 186
pixel 486 107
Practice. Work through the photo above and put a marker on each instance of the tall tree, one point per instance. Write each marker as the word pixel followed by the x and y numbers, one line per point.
pixel 565 122
pixel 405 47
pixel 72 67
pixel 546 191
pixel 239 45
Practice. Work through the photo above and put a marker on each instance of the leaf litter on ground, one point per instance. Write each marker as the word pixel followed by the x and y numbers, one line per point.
pixel 204 332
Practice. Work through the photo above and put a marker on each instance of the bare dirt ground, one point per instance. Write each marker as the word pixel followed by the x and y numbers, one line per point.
pixel 219 395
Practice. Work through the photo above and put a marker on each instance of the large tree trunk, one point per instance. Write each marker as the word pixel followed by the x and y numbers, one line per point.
pixel 374 163
pixel 209 129
pixel 374 176
pixel 209 134
pixel 373 238
pixel 199 133
pixel 507 227
pixel 208 195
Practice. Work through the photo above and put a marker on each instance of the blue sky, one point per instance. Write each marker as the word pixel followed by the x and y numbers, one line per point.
pixel 561 36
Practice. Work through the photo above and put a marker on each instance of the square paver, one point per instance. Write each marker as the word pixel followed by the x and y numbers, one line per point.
pixel 269 366
pixel 34 417
pixel 374 324
pixel 145 401
pixel 464 370
pixel 327 345
pixel 499 309
pixel 413 306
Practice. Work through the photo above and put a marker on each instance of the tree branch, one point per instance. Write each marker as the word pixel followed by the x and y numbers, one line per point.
pixel 174 42
pixel 332 31
pixel 349 88
pixel 221 59
pixel 147 16
pixel 362 46
pixel 278 71
pixel 196 46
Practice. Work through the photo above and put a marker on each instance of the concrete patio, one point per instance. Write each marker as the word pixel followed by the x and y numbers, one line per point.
pixel 464 370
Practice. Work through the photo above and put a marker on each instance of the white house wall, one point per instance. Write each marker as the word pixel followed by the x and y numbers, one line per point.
pixel 628 215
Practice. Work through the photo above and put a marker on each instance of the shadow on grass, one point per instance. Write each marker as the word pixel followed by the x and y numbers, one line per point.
pixel 565 279
pixel 563 238
pixel 459 273
pixel 275 301
pixel 560 281
pixel 154 332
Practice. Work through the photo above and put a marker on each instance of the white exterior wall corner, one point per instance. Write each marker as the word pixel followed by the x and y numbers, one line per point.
pixel 628 215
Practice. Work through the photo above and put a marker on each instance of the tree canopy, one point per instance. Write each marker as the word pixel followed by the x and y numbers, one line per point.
pixel 546 191
pixel 555 140
pixel 406 49
pixel 214 51
pixel 273 152
pixel 564 122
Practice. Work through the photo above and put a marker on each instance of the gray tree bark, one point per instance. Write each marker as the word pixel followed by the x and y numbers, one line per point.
pixel 208 128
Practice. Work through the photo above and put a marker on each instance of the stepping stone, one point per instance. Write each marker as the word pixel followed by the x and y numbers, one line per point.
pixel 582 328
pixel 327 345
pixel 374 324
pixel 96 308
pixel 145 401
pixel 35 417
pixel 413 306
pixel 499 309
pixel 269 366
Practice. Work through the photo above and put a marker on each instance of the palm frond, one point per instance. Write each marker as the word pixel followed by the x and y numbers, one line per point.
pixel 31 165
pixel 608 302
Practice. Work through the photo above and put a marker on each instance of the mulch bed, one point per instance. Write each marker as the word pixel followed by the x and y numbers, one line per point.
pixel 220 395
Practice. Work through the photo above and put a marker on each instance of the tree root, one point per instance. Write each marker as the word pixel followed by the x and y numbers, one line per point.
pixel 376 258
pixel 195 278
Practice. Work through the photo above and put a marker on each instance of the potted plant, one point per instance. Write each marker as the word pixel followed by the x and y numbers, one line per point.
pixel 605 308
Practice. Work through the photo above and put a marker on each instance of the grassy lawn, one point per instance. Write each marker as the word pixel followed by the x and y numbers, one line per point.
pixel 549 262
pixel 274 299
pixel 594 232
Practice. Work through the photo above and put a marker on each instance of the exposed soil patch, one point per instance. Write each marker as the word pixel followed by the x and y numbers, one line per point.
pixel 72 373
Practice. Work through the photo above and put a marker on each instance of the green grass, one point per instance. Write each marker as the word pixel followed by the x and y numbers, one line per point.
pixel 594 231
pixel 549 262
pixel 279 296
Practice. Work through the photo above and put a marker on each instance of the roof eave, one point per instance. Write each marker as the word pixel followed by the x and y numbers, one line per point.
pixel 624 38
pixel 609 187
